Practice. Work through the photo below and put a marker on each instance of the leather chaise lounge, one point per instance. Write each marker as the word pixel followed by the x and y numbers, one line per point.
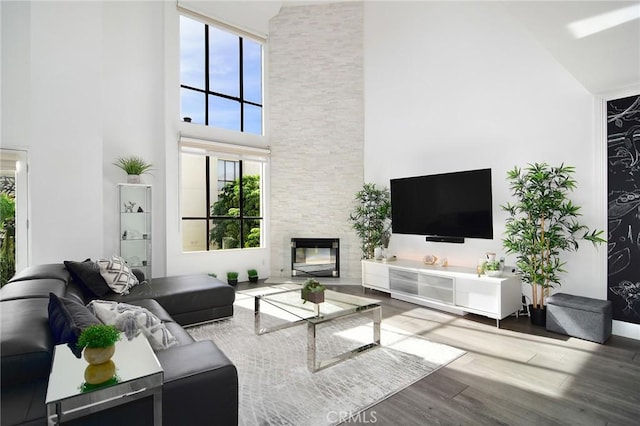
pixel 200 383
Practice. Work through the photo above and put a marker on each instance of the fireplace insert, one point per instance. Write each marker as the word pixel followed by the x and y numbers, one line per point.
pixel 315 257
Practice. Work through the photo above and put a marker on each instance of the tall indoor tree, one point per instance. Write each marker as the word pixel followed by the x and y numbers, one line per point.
pixel 371 219
pixel 543 224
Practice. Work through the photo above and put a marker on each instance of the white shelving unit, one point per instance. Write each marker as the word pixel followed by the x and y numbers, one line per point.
pixel 453 289
pixel 135 225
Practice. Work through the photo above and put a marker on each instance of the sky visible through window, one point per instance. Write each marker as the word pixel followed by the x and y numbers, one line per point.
pixel 222 96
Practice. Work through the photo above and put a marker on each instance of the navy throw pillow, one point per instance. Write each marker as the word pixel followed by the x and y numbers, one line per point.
pixel 67 319
pixel 87 274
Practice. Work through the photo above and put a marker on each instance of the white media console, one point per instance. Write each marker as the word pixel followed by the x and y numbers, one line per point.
pixel 453 289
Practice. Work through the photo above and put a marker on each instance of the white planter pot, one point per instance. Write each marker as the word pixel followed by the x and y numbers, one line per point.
pixel 133 178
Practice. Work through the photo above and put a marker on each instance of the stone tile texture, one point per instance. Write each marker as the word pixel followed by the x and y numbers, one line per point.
pixel 316 128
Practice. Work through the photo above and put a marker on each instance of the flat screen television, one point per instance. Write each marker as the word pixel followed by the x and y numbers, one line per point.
pixel 446 206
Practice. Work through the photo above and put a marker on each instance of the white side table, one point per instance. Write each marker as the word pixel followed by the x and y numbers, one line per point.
pixel 138 373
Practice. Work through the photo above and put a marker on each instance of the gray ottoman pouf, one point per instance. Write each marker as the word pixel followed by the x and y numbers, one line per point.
pixel 581 317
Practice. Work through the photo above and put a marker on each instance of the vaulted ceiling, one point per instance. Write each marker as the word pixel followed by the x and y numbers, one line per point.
pixel 598 42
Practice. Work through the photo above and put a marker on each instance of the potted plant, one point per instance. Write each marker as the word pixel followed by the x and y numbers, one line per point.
pixel 313 291
pixel 371 219
pixel 542 224
pixel 98 342
pixel 253 275
pixel 232 278
pixel 134 166
pixel 493 268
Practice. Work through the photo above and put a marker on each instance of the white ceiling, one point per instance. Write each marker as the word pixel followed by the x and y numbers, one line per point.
pixel 603 62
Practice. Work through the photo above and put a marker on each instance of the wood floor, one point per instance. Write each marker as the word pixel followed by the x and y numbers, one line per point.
pixel 516 375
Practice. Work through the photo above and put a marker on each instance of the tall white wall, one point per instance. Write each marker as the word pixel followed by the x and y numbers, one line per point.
pixel 316 121
pixel 133 119
pixel 55 87
pixel 462 85
pixel 82 85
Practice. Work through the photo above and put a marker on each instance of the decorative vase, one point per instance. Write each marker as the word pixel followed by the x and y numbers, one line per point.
pixel 133 178
pixel 538 316
pixel 96 374
pixel 99 355
pixel 253 279
pixel 314 297
pixel 232 282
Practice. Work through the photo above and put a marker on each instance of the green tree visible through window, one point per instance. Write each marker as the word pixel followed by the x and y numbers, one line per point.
pixel 234 221
pixel 7 237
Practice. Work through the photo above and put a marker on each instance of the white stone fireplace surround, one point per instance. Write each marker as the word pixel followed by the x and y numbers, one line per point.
pixel 316 127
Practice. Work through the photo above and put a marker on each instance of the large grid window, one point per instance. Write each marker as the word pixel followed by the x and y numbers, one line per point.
pixel 220 77
pixel 221 202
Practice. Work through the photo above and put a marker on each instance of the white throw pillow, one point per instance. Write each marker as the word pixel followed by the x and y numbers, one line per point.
pixel 119 277
pixel 132 320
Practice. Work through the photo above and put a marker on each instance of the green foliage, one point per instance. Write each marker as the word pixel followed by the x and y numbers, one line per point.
pixel 7 208
pixel 7 236
pixel 232 275
pixel 542 224
pixel 133 165
pixel 313 286
pixel 252 273
pixel 98 336
pixel 225 233
pixel 371 219
pixel 213 274
pixel 492 266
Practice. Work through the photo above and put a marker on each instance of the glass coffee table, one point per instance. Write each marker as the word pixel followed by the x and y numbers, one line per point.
pixel 335 306
pixel 138 375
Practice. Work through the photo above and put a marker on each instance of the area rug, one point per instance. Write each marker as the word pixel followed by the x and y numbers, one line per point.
pixel 275 387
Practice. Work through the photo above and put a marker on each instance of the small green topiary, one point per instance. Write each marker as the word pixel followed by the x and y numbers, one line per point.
pixel 312 285
pixel 98 336
pixel 232 275
pixel 252 273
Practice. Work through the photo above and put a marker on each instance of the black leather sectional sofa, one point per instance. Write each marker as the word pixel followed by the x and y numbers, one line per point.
pixel 200 383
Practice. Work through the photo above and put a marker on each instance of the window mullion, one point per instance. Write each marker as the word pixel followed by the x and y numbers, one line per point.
pixel 241 202
pixel 206 78
pixel 241 81
pixel 207 186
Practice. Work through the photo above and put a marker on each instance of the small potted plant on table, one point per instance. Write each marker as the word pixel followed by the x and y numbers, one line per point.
pixel 232 278
pixel 313 291
pixel 253 275
pixel 99 342
pixel 99 346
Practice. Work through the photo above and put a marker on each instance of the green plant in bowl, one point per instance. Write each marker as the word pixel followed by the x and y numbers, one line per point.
pixel 133 165
pixel 493 268
pixel 98 336
pixel 313 286
pixel 99 343
pixel 232 278
pixel 253 275
pixel 313 291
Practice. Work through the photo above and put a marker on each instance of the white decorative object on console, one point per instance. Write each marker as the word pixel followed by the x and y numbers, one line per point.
pixel 453 289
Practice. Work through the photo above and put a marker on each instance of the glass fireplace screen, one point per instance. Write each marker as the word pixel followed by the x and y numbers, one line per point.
pixel 315 257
